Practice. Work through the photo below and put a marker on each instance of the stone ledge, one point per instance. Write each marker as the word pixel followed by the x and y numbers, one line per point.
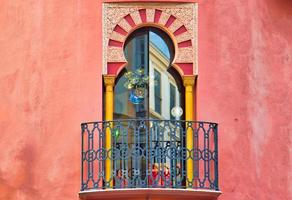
pixel 150 193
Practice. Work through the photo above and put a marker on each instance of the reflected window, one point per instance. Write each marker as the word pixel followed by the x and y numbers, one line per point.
pixel 157 91
pixel 172 102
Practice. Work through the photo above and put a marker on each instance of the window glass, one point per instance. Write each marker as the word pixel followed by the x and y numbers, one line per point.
pixel 143 90
pixel 157 91
pixel 147 88
pixel 172 102
pixel 136 52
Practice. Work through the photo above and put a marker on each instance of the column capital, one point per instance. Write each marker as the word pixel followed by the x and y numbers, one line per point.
pixel 189 80
pixel 109 80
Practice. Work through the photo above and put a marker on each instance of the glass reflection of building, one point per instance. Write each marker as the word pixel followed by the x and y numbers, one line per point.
pixel 163 92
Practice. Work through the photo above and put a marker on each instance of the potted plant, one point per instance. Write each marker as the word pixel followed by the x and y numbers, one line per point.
pixel 136 82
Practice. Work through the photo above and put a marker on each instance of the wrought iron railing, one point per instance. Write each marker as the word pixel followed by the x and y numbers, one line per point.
pixel 149 154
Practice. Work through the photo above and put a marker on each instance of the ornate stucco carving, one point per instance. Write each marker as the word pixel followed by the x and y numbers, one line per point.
pixel 115 54
pixel 163 18
pixel 109 80
pixel 123 23
pixel 186 55
pixel 189 80
pixel 150 15
pixel 183 37
pixel 185 14
pixel 136 17
pixel 117 36
pixel 175 25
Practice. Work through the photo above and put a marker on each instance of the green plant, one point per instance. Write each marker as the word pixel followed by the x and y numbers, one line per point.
pixel 136 79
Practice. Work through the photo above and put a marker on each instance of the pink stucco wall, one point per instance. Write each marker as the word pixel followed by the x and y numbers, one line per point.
pixel 245 84
pixel 50 82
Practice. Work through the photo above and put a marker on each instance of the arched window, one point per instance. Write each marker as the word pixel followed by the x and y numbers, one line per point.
pixel 155 100
pixel 148 86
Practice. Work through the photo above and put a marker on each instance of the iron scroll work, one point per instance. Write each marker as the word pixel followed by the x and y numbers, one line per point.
pixel 149 154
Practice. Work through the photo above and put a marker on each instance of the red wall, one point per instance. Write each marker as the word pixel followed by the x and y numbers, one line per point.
pixel 50 82
pixel 245 84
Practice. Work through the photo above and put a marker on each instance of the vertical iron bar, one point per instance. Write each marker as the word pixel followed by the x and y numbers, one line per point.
pixel 196 154
pixel 208 155
pixel 125 175
pixel 216 157
pixel 88 160
pixel 146 153
pixel 92 148
pixel 114 146
pixel 101 168
pixel 204 153
pixel 82 135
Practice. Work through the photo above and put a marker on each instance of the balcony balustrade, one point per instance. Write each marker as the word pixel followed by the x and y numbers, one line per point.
pixel 143 153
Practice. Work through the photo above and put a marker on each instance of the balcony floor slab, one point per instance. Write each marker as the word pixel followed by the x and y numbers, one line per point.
pixel 150 194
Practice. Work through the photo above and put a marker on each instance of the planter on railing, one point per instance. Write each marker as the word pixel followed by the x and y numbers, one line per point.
pixel 149 154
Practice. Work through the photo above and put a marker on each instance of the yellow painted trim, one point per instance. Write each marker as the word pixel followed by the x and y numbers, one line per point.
pixel 109 81
pixel 189 82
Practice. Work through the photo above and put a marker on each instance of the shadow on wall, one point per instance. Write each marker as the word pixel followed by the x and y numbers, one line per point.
pixel 280 8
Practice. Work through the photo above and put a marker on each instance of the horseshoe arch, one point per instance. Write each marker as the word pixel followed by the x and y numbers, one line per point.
pixel 178 20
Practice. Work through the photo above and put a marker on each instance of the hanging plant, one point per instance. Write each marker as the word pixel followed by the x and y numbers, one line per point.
pixel 136 82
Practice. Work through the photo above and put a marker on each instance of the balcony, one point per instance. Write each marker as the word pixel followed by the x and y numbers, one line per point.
pixel 149 159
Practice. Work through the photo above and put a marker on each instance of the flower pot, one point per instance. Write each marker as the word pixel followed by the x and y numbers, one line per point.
pixel 134 98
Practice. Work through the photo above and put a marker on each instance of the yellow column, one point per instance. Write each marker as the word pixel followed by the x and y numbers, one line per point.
pixel 189 82
pixel 109 81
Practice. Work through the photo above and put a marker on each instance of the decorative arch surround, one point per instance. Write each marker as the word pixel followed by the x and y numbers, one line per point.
pixel 178 20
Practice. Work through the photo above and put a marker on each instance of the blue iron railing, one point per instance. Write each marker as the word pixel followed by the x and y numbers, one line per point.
pixel 149 154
